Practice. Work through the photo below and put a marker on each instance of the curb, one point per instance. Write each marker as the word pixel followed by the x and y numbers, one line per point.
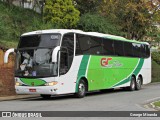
pixel 155 107
pixel 149 104
pixel 152 83
pixel 16 97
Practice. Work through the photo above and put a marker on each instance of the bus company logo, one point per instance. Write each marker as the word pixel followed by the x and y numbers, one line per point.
pixel 105 62
pixel 115 63
pixel 6 114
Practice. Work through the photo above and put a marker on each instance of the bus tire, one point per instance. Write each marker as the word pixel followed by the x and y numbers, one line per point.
pixel 132 86
pixel 81 89
pixel 45 96
pixel 139 83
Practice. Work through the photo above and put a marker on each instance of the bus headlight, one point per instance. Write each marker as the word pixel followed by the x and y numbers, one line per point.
pixel 18 84
pixel 51 83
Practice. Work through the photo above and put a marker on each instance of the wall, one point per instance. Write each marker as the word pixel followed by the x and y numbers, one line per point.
pixel 6 75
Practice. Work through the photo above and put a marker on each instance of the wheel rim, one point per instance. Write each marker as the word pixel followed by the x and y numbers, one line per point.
pixel 81 88
pixel 133 84
pixel 138 83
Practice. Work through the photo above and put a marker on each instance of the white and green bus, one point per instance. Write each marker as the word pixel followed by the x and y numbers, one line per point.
pixel 61 61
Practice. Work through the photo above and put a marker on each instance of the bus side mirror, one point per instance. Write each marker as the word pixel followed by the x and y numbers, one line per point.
pixel 6 55
pixel 55 53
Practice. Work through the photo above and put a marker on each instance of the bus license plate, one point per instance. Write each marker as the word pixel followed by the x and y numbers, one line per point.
pixel 32 90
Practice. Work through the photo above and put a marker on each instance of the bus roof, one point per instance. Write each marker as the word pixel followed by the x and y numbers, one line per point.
pixel 63 31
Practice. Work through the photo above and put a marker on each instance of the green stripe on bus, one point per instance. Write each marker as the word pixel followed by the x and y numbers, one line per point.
pixel 32 82
pixel 135 72
pixel 82 69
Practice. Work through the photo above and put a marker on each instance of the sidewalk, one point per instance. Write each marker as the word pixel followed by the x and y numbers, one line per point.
pixel 15 97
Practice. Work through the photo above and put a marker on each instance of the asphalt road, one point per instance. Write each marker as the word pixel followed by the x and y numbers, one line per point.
pixel 118 100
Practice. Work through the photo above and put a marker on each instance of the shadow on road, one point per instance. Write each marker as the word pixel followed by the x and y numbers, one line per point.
pixel 71 96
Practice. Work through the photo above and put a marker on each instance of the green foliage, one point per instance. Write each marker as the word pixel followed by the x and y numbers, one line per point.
pixel 15 21
pixel 61 13
pixel 156 57
pixel 87 6
pixel 157 103
pixel 155 72
pixel 137 19
pixel 97 23
pixel 154 8
pixel 133 16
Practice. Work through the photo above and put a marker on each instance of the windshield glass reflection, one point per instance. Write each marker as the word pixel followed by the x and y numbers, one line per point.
pixel 35 63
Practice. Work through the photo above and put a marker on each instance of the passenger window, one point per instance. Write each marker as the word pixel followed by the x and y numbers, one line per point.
pixel 95 46
pixel 66 53
pixel 147 51
pixel 83 44
pixel 108 47
pixel 143 51
pixel 118 47
pixel 128 50
pixel 136 49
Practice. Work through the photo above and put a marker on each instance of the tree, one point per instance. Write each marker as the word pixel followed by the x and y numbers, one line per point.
pixel 154 8
pixel 136 19
pixel 133 16
pixel 61 13
pixel 90 22
pixel 87 6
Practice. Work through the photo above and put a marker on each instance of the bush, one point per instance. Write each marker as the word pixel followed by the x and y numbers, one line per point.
pixel 156 57
pixel 155 72
pixel 61 13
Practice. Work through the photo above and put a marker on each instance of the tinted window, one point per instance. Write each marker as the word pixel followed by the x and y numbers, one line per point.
pixel 128 50
pixel 44 40
pixel 147 51
pixel 67 52
pixel 143 51
pixel 95 46
pixel 136 49
pixel 68 42
pixel 30 41
pixel 49 40
pixel 118 47
pixel 108 47
pixel 91 45
pixel 83 42
pixel 86 44
pixel 78 47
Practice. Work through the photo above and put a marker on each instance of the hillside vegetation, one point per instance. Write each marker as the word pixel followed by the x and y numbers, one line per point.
pixel 155 67
pixel 14 21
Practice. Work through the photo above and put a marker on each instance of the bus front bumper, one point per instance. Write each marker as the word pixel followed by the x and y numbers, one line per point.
pixel 36 90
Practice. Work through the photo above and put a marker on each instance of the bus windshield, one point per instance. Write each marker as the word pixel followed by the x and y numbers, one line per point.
pixel 43 40
pixel 34 56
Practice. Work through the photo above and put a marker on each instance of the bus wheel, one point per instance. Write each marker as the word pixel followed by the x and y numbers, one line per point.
pixel 45 96
pixel 81 89
pixel 132 84
pixel 138 83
